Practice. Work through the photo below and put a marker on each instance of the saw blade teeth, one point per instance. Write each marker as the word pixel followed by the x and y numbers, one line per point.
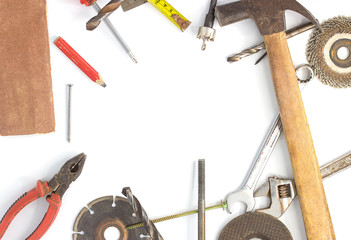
pixel 103 213
pixel 75 226
pixel 98 200
pixel 318 52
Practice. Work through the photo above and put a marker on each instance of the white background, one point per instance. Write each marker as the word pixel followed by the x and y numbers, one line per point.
pixel 155 119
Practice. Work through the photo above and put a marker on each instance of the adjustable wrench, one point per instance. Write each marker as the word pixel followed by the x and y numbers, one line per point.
pixel 246 193
pixel 282 191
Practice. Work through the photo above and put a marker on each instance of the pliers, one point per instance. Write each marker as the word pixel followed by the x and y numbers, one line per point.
pixel 57 186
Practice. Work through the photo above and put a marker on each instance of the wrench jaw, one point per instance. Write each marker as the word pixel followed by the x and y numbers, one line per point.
pixel 281 193
pixel 243 196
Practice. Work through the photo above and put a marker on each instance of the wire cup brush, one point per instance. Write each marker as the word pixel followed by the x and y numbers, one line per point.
pixel 323 52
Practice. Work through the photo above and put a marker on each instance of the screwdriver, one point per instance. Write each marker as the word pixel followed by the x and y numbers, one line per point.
pixel 111 27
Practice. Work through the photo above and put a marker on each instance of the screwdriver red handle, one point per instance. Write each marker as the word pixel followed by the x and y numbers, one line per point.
pixel 87 2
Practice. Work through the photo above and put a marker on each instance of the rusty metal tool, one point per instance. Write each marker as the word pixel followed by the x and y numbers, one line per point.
pixel 201 200
pixel 141 213
pixel 207 32
pixel 104 213
pixel 255 226
pixel 255 49
pixel 323 50
pixel 282 191
pixel 106 11
pixel 114 212
pixel 269 16
pixel 164 7
pixel 130 4
pixel 53 190
pixel 110 27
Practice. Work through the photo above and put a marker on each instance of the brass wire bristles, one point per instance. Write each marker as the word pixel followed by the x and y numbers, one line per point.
pixel 322 52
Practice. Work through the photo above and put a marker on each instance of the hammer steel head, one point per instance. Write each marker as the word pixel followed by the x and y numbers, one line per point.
pixel 269 15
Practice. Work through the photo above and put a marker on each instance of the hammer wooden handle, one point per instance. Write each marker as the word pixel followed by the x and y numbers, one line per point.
pixel 316 216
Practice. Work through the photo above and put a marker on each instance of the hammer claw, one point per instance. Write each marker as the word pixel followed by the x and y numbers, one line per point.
pixel 295 6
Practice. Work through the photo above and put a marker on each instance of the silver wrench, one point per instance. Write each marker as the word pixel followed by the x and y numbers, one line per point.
pixel 282 191
pixel 246 192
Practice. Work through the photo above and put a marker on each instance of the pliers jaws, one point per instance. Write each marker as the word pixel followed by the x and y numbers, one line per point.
pixel 68 173
pixel 281 193
pixel 54 190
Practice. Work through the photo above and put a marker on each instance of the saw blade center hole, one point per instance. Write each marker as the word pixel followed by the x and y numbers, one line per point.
pixel 343 53
pixel 112 233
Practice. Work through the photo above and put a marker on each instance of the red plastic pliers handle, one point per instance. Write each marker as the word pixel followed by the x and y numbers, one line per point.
pixel 56 187
pixel 41 190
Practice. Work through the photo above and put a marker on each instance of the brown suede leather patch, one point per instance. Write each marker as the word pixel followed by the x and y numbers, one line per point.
pixel 26 99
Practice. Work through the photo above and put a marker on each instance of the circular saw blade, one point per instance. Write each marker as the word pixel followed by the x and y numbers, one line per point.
pixel 322 49
pixel 255 225
pixel 105 214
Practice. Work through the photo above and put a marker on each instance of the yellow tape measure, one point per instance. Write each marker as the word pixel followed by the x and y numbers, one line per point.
pixel 171 13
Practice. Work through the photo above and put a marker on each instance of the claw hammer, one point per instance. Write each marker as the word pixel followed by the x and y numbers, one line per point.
pixel 269 15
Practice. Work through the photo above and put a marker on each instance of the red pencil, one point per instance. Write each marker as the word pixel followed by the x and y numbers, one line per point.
pixel 79 61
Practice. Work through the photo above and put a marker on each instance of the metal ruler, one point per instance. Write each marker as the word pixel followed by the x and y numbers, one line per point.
pixel 164 7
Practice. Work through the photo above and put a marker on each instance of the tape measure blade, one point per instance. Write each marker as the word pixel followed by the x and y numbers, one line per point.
pixel 130 4
pixel 171 13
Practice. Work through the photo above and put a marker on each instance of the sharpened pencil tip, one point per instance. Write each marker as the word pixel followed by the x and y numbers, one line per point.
pixel 104 85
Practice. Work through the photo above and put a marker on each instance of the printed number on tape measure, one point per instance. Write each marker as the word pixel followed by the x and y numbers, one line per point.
pixel 171 13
